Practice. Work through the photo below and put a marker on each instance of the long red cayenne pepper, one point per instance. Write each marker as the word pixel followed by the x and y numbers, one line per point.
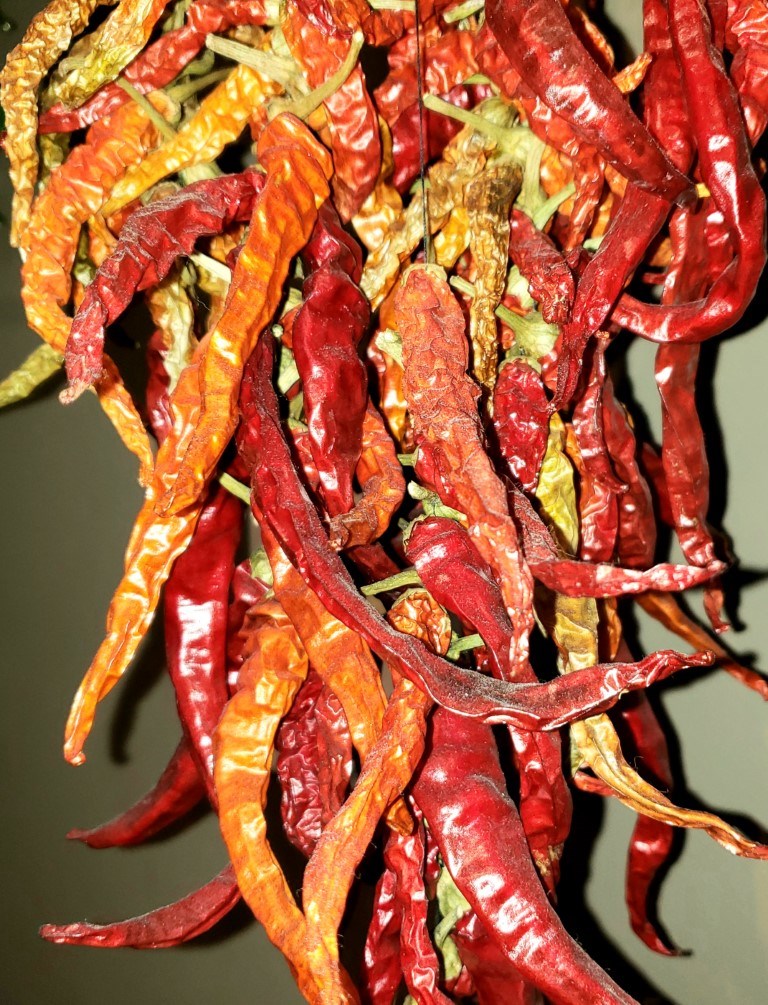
pixel 539 41
pixel 160 929
pixel 280 497
pixel 493 976
pixel 461 790
pixel 458 578
pixel 150 242
pixel 326 332
pixel 159 63
pixel 652 840
pixel 178 790
pixel 195 604
pixel 581 579
pixel 725 163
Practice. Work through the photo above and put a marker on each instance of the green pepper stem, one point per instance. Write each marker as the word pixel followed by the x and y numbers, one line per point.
pixel 408 577
pixel 235 487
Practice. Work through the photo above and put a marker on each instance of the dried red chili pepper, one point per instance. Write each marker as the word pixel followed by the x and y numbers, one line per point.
pixel 717 127
pixel 746 34
pixel 326 332
pixel 404 856
pixel 166 926
pixel 150 242
pixel 286 509
pixel 453 571
pixel 600 514
pixel 521 420
pixel 581 579
pixel 652 840
pixel 493 977
pixel 540 43
pixel 297 768
pixel 382 972
pixel 178 790
pixel 195 619
pixel 550 280
pixel 462 792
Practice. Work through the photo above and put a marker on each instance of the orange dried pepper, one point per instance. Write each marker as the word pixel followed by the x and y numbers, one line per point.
pixel 298 168
pixel 243 747
pixel 222 116
pixel 156 541
pixel 76 192
pixel 380 477
pixel 340 657
pixel 329 874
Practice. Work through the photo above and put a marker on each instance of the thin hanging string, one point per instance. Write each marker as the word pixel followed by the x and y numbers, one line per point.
pixel 422 145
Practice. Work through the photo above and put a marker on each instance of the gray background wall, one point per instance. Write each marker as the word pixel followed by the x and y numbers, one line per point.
pixel 69 497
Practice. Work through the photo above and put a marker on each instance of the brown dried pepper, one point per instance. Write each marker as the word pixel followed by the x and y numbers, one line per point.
pixel 296 185
pixel 488 200
pixel 326 331
pixel 48 35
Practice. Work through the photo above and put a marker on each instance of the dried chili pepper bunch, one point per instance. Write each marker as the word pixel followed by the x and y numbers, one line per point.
pixel 406 380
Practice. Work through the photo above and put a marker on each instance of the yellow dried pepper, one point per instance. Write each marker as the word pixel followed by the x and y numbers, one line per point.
pixel 48 35
pixel 109 49
pixel 41 364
